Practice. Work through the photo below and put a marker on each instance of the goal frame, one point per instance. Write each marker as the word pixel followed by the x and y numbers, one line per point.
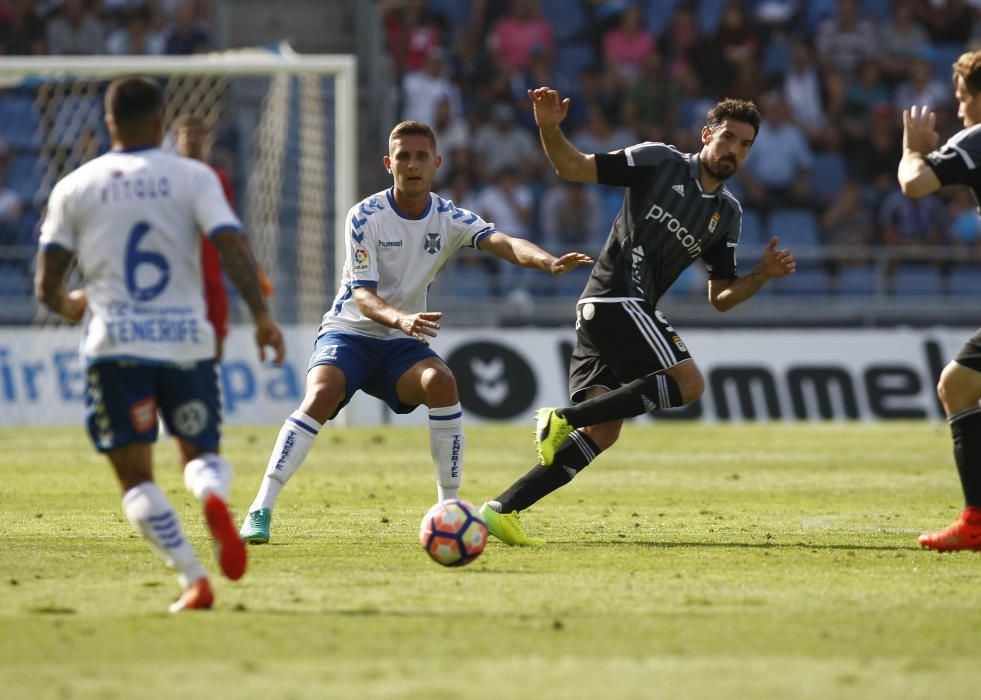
pixel 248 62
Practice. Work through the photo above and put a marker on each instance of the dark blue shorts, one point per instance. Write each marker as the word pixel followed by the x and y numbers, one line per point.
pixel 123 398
pixel 370 364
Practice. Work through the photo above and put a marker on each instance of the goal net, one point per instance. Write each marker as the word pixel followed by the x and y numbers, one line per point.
pixel 283 128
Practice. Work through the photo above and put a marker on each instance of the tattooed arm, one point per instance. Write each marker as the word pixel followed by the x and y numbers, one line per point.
pixel 237 260
pixel 49 285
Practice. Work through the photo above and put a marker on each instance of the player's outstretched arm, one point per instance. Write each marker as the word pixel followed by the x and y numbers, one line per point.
pixel 725 294
pixel 568 162
pixel 49 285
pixel 916 178
pixel 237 260
pixel 421 326
pixel 519 251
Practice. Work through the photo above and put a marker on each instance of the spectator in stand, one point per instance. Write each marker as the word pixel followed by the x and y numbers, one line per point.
pixel 650 108
pixel 460 190
pixel 21 31
pixel 900 41
pixel 600 135
pixel 680 40
pixel 848 225
pixel 922 88
pixel 912 223
pixel 422 90
pixel 522 31
pixel 802 91
pixel 508 202
pixel 188 35
pixel 946 21
pixel 75 31
pixel 965 225
pixel 873 162
pixel 135 37
pixel 452 134
pixel 410 33
pixel 626 47
pixel 864 94
pixel 845 40
pixel 572 214
pixel 499 144
pixel 777 171
pixel 733 47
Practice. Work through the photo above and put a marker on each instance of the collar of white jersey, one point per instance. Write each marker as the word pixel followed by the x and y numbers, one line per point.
pixel 390 193
pixel 134 149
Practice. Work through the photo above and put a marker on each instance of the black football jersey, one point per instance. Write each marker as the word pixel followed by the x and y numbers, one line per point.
pixel 957 161
pixel 665 224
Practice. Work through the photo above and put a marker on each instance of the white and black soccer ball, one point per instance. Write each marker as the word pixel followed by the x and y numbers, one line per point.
pixel 452 533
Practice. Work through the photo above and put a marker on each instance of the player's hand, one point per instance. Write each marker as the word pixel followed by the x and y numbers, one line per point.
pixel 75 304
pixel 420 325
pixel 268 335
pixel 777 263
pixel 549 110
pixel 920 130
pixel 569 261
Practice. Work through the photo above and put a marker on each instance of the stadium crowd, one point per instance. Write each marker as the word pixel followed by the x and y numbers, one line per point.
pixel 831 77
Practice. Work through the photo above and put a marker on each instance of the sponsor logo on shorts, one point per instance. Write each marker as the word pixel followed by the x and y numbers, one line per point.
pixel 143 414
pixel 191 418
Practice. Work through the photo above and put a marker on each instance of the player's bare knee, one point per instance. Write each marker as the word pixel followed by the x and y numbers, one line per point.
pixel 604 434
pixel 321 401
pixel 439 384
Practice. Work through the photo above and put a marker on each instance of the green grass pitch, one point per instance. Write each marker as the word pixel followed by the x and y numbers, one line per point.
pixel 692 561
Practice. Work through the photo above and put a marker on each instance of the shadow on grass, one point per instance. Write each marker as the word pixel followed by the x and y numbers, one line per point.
pixel 742 545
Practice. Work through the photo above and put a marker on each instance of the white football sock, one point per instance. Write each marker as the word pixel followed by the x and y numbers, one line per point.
pixel 446 443
pixel 208 473
pixel 151 514
pixel 294 441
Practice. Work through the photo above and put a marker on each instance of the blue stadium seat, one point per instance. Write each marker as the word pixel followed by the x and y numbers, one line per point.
pixel 456 13
pixel 943 56
pixel 24 177
pixel 709 15
pixel 612 200
pixel 797 228
pixel 571 59
pixel 776 57
pixel 828 176
pixel 471 282
pixel 568 19
pixel 752 233
pixel 19 120
pixel 856 281
pixel 909 280
pixel 965 281
pixel 877 11
pixel 16 279
pixel 659 14
pixel 816 11
pixel 571 284
pixel 805 282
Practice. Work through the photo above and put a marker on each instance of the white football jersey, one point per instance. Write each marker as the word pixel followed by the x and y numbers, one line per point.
pixel 398 256
pixel 134 220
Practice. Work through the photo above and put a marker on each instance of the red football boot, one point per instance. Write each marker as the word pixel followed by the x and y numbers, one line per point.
pixel 229 547
pixel 965 533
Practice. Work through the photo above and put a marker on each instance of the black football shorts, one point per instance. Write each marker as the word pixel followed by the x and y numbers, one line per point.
pixel 620 341
pixel 970 354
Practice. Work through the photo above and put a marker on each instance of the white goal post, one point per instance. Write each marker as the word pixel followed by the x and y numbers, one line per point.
pixel 293 135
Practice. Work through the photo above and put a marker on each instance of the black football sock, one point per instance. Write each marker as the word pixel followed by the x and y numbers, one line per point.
pixel 649 393
pixel 965 428
pixel 571 458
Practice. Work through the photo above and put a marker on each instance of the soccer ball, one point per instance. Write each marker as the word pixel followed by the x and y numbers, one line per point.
pixel 452 533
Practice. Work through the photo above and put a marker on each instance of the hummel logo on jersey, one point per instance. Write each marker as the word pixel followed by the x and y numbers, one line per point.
pixel 680 189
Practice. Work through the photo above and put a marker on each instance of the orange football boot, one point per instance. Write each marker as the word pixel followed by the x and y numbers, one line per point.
pixel 965 533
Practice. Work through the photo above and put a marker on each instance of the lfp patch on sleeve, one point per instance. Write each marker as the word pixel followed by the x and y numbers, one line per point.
pixel 360 259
